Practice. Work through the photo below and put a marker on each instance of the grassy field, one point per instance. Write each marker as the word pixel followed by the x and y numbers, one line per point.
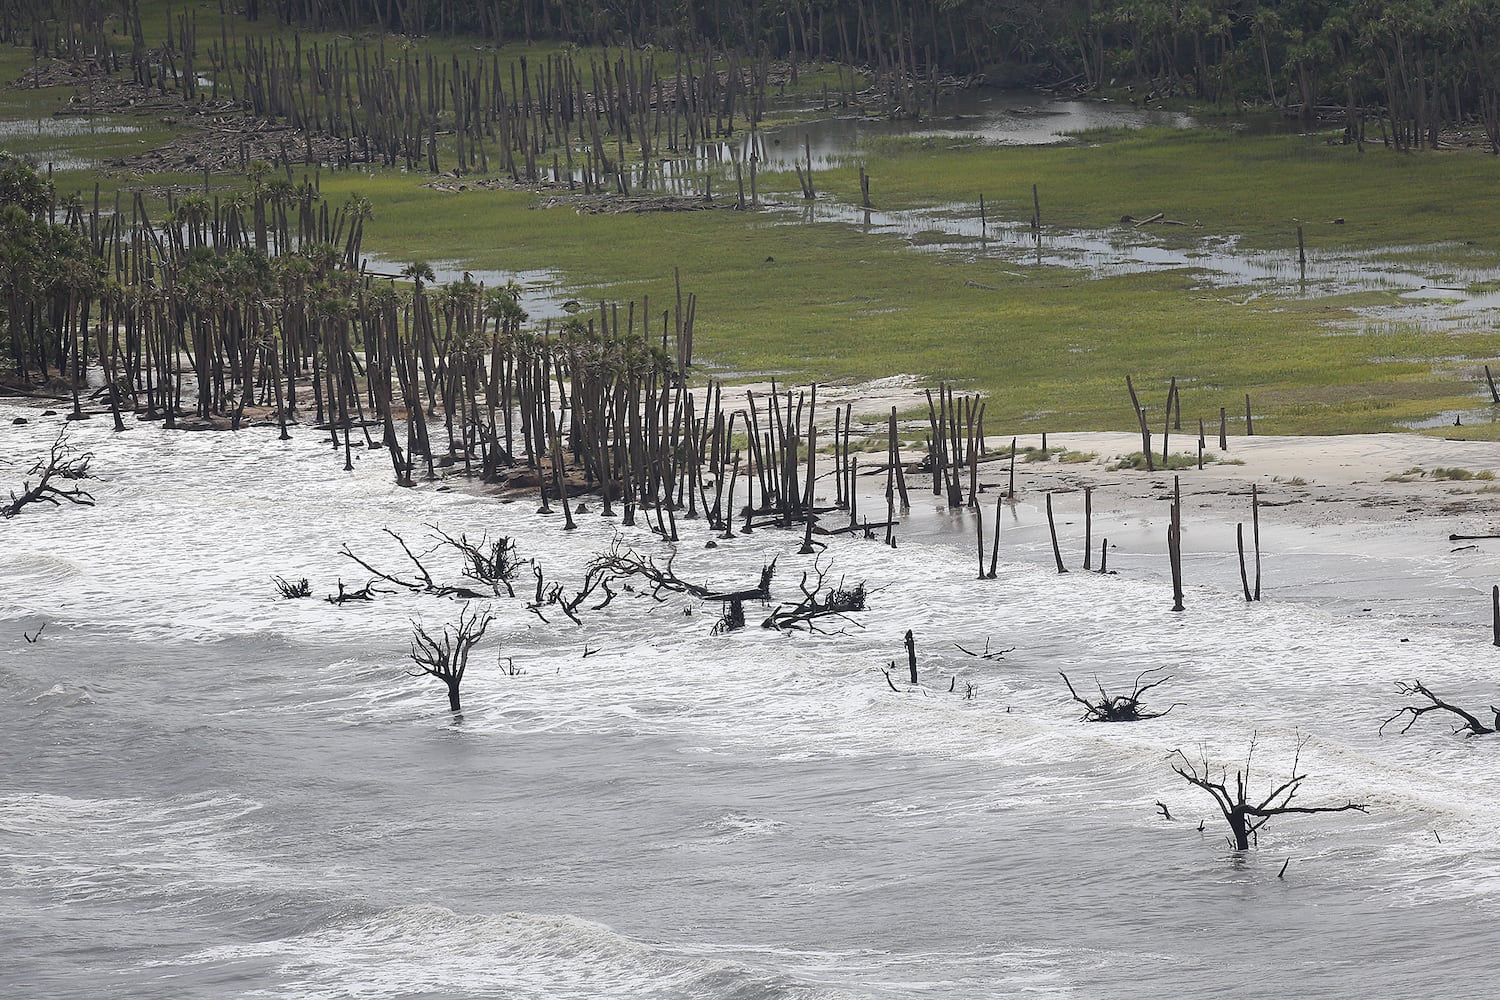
pixel 1049 346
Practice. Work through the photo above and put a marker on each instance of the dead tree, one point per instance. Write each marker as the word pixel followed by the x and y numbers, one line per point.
pixel 1246 817
pixel 553 594
pixel 1469 723
pixel 62 462
pixel 732 619
pixel 988 653
pixel 1119 707
pixel 365 593
pixel 424 583
pixel 446 656
pixel 290 590
pixel 489 564
pixel 838 602
pixel 620 562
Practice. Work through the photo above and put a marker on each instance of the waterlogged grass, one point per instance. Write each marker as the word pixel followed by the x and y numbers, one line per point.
pixel 1050 348
pixel 1256 187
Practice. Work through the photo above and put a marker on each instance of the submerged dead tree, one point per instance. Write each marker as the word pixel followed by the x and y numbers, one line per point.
pixel 492 564
pixel 446 656
pixel 1469 723
pixel 817 604
pixel 620 562
pixel 423 583
pixel 62 462
pixel 1245 816
pixel 1119 707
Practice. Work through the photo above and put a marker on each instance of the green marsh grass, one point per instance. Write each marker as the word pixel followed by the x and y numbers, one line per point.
pixel 1050 347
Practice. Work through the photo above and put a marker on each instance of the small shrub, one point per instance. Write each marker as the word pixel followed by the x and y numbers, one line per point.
pixel 1030 454
pixel 1176 460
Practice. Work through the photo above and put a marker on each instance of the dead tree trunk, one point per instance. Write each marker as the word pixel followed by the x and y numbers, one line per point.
pixel 1246 816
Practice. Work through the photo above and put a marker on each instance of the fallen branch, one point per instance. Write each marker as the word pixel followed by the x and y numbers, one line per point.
pixel 987 654
pixel 425 583
pixel 1471 723
pixel 62 461
pixel 839 602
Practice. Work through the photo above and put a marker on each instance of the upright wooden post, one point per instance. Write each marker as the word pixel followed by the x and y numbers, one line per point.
pixel 1052 527
pixel 1255 527
pixel 1495 608
pixel 1010 493
pixel 1174 544
pixel 1088 525
pixel 979 540
pixel 911 655
pixel 1140 419
pixel 995 541
pixel 1239 543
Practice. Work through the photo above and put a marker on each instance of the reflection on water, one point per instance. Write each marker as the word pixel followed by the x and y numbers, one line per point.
pixel 1000 117
pixel 54 141
pixel 541 294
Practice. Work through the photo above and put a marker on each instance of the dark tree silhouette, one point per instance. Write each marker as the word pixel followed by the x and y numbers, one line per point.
pixel 62 462
pixel 816 604
pixel 1119 707
pixel 446 656
pixel 1470 723
pixel 290 590
pixel 492 564
pixel 1244 816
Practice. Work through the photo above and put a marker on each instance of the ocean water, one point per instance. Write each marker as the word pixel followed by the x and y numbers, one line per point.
pixel 208 791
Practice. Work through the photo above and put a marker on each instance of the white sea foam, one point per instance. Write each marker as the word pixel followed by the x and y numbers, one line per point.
pixel 778 753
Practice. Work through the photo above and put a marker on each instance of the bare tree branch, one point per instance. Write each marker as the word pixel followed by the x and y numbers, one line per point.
pixel 1246 817
pixel 424 583
pixel 839 602
pixel 446 656
pixel 1119 707
pixel 62 462
pixel 1414 688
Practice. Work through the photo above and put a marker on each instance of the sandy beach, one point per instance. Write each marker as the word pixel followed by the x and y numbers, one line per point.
pixel 1359 523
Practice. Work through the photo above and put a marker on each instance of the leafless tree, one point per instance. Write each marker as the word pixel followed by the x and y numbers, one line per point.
pixel 1244 816
pixel 1470 723
pixel 446 656
pixel 620 562
pixel 1119 707
pixel 554 594
pixel 492 564
pixel 732 619
pixel 423 582
pixel 62 462
pixel 837 602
